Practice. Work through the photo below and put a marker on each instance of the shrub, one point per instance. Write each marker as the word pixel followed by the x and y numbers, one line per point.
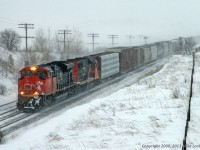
pixel 3 89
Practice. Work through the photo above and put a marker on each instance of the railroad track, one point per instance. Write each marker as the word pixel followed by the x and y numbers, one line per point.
pixel 7 106
pixel 12 120
pixel 9 114
pixel 7 111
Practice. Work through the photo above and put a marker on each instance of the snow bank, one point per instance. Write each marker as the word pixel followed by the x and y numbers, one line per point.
pixel 10 83
pixel 143 115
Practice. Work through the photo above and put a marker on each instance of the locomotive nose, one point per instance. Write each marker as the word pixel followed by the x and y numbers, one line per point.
pixel 29 89
pixel 28 86
pixel 27 79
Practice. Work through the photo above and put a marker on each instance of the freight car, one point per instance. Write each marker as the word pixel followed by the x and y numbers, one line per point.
pixel 38 85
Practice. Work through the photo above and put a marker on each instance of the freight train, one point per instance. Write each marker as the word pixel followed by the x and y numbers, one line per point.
pixel 38 85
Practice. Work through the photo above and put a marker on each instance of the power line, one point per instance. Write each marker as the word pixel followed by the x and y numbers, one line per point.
pixel 16 22
pixel 93 35
pixel 113 37
pixel 8 22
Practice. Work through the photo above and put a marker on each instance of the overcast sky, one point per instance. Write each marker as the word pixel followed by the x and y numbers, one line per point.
pixel 157 19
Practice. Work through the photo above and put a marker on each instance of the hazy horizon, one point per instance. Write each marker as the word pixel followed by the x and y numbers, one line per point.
pixel 159 20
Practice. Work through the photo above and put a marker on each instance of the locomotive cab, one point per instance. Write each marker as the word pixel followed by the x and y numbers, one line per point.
pixel 35 85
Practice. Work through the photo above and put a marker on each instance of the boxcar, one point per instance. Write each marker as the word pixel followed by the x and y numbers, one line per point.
pixel 160 49
pixel 147 53
pixel 166 48
pixel 129 57
pixel 108 64
pixel 154 51
pixel 135 54
pixel 124 57
pixel 141 56
pixel 171 47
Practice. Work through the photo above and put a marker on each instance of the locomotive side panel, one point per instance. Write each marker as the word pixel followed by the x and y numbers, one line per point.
pixel 49 86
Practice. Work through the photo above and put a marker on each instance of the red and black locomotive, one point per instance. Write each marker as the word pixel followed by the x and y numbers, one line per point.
pixel 38 84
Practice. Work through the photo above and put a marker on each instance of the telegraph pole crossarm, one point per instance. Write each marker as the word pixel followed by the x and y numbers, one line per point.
pixel 113 38
pixel 93 36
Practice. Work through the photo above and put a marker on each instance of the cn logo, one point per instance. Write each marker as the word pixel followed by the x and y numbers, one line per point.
pixel 39 83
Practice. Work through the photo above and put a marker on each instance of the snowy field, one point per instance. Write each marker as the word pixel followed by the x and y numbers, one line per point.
pixel 148 114
pixel 10 82
pixel 11 87
pixel 193 138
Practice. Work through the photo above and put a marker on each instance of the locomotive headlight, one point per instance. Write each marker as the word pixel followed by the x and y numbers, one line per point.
pixel 22 93
pixel 33 68
pixel 36 93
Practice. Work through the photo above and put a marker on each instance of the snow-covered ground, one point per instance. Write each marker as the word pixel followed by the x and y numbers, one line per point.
pixel 9 82
pixel 148 114
pixel 193 138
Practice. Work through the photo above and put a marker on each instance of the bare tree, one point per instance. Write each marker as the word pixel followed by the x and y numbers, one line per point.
pixel 9 39
pixel 74 45
pixel 42 44
pixel 179 45
pixel 189 45
pixel 7 66
pixel 56 44
pixel 77 42
pixel 11 64
pixel 33 58
pixel 4 65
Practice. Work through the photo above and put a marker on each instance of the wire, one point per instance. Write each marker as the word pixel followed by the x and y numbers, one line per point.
pixel 16 22
pixel 8 22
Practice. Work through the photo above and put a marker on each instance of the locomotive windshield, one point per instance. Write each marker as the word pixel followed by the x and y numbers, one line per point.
pixel 39 73
pixel 26 73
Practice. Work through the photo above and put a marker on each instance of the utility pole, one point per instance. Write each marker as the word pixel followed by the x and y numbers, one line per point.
pixel 65 32
pixel 113 37
pixel 26 26
pixel 145 39
pixel 130 39
pixel 93 35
